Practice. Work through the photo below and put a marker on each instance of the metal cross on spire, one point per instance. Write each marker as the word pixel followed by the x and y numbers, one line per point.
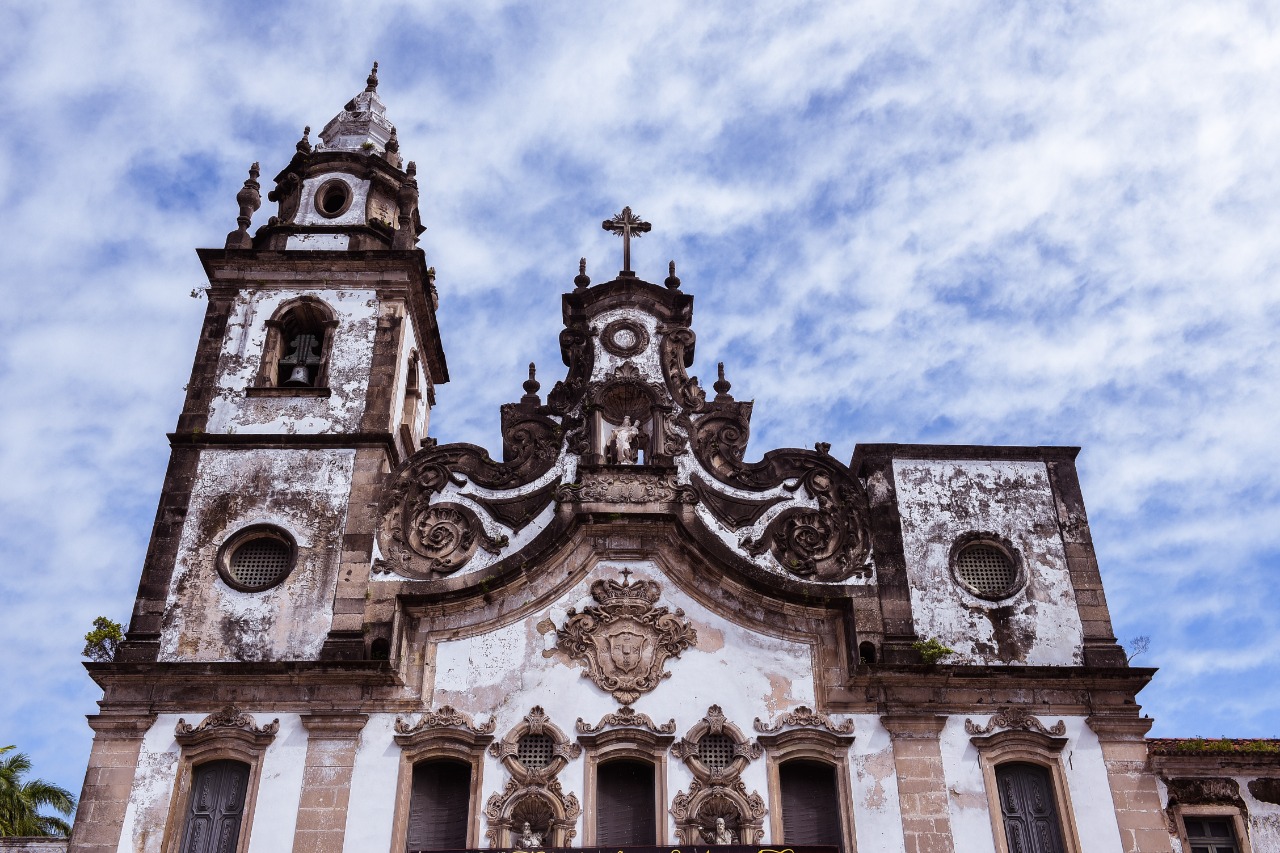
pixel 626 224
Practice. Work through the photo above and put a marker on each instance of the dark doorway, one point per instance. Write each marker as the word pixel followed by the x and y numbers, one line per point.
pixel 810 803
pixel 1026 801
pixel 440 807
pixel 625 804
pixel 217 807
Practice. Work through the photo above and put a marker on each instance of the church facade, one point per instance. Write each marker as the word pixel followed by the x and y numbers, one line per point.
pixel 617 631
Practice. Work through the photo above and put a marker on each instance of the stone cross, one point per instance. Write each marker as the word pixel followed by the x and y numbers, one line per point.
pixel 626 224
pixel 626 575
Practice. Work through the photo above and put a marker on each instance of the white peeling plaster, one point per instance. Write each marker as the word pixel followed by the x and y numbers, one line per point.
pixel 504 673
pixel 279 785
pixel 371 809
pixel 1088 787
pixel 302 491
pixel 319 242
pixel 355 212
pixel 1264 818
pixel 874 779
pixel 350 361
pixel 646 360
pixel 939 501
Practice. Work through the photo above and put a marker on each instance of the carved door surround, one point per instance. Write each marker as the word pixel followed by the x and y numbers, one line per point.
pixel 625 733
pixel 717 791
pixel 806 734
pixel 446 733
pixel 533 794
pixel 228 733
pixel 1025 740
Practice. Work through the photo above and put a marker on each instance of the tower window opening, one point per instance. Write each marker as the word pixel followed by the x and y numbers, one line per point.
pixel 257 558
pixel 986 566
pixel 333 198
pixel 302 348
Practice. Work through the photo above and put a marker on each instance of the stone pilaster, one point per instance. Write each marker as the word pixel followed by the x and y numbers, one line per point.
pixel 117 741
pixel 326 781
pixel 1133 785
pixel 922 787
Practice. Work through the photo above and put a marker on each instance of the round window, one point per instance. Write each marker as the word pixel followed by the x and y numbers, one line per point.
pixel 535 751
pixel 986 566
pixel 333 198
pixel 257 558
pixel 716 751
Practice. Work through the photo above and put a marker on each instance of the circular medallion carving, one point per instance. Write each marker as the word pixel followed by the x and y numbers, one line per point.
pixel 624 338
pixel 445 534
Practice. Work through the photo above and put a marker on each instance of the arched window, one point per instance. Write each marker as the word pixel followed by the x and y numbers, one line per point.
pixel 810 803
pixel 296 355
pixel 440 805
pixel 625 804
pixel 216 807
pixel 1027 807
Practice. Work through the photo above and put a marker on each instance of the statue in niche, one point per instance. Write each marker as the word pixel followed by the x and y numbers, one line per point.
pixel 529 839
pixel 625 442
pixel 722 834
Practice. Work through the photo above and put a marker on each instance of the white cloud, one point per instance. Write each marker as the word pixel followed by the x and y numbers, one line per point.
pixel 1036 223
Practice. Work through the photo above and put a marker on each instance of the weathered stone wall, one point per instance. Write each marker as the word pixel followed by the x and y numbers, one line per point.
pixel 942 500
pixel 303 491
pixel 350 358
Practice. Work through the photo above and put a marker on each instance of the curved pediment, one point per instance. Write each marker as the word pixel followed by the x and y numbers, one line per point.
pixel 628 432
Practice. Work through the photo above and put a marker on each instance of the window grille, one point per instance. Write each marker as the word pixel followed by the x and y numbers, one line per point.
pixel 260 563
pixel 987 569
pixel 1210 835
pixel 535 751
pixel 716 751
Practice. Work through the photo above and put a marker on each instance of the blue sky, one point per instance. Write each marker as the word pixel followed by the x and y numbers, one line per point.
pixel 1001 222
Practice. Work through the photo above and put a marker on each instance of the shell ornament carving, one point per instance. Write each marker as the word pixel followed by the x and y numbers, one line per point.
pixel 625 639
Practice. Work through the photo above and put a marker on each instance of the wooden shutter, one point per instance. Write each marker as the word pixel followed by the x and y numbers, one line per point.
pixel 810 803
pixel 625 804
pixel 216 808
pixel 440 806
pixel 1027 803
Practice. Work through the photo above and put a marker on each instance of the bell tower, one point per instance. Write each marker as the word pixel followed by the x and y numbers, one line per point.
pixel 314 375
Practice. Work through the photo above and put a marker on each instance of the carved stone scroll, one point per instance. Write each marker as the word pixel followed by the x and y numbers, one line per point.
pixel 806 717
pixel 228 717
pixel 1015 718
pixel 446 717
pixel 626 717
pixel 624 639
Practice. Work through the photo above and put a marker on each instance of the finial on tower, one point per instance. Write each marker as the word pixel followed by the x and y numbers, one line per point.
pixel 304 144
pixel 721 385
pixel 250 199
pixel 626 224
pixel 392 152
pixel 531 386
pixel 673 280
pixel 371 82
pixel 581 281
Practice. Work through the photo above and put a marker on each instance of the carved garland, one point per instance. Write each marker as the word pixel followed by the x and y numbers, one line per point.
pixel 625 717
pixel 625 639
pixel 1014 718
pixel 806 717
pixel 533 795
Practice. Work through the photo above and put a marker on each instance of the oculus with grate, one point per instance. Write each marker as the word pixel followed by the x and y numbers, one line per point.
pixel 259 563
pixel 716 751
pixel 535 751
pixel 987 569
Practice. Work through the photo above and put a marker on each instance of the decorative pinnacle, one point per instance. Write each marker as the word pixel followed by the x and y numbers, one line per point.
pixel 581 280
pixel 673 280
pixel 412 168
pixel 531 386
pixel 626 225
pixel 371 82
pixel 249 199
pixel 721 385
pixel 393 144
pixel 304 144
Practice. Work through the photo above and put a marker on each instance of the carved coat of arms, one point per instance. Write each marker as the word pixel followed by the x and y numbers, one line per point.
pixel 625 638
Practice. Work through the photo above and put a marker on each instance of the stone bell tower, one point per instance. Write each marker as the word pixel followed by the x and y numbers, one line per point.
pixel 314 374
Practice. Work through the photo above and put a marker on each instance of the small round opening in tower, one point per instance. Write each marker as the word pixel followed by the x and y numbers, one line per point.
pixel 716 751
pixel 535 751
pixel 257 558
pixel 986 569
pixel 333 198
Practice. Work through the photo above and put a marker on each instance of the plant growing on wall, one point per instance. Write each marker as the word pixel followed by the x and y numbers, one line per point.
pixel 931 651
pixel 101 642
pixel 21 801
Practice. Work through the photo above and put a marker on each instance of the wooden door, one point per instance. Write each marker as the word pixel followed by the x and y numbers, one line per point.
pixel 217 807
pixel 440 806
pixel 1031 822
pixel 625 804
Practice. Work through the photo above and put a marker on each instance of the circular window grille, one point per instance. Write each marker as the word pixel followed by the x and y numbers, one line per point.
pixel 259 563
pixel 987 569
pixel 716 751
pixel 535 751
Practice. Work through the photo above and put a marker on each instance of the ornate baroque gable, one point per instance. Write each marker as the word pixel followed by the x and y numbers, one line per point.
pixel 627 431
